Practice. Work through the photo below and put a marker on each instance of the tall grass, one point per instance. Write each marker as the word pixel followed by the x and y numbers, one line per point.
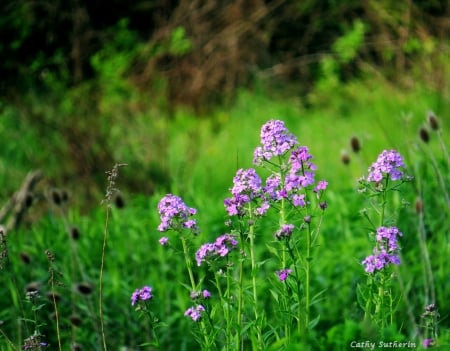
pixel 203 157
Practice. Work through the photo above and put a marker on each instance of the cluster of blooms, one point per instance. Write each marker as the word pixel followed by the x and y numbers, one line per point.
pixel 246 188
pixel 195 312
pixel 175 214
pixel 385 252
pixel 142 294
pixel 220 248
pixel 299 172
pixel 389 162
pixel 283 274
pixel 276 140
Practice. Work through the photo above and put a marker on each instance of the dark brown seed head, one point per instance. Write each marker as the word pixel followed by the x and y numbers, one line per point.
pixel 84 288
pixel 355 144
pixel 25 257
pixel 424 135
pixel 419 206
pixel 55 196
pixel 75 320
pixel 345 158
pixel 74 233
pixel 433 121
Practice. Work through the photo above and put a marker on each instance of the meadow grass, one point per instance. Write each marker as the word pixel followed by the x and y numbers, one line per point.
pixel 203 157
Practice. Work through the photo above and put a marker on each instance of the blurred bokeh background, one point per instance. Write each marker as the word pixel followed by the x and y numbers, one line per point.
pixel 179 89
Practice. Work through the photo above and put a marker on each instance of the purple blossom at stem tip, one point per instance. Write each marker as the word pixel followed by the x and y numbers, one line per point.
pixel 389 163
pixel 283 274
pixel 142 294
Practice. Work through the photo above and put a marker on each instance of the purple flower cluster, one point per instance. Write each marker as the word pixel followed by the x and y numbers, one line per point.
pixel 246 188
pixel 220 248
pixel 385 251
pixel 389 162
pixel 283 274
pixel 276 140
pixel 195 312
pixel 300 174
pixel 175 214
pixel 141 295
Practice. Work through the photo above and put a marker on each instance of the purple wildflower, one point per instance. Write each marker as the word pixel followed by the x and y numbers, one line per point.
pixel 276 140
pixel 141 295
pixel 206 294
pixel 388 235
pixel 285 231
pixel 195 312
pixel 164 240
pixel 389 162
pixel 321 185
pixel 175 214
pixel 220 248
pixel 246 188
pixel 378 261
pixel 385 251
pixel 428 343
pixel 283 274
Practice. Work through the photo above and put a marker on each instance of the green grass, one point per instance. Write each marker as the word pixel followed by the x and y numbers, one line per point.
pixel 201 157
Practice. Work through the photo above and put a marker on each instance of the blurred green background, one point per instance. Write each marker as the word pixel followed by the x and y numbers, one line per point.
pixel 179 89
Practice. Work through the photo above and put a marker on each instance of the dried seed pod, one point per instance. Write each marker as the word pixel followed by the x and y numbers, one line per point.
pixel 85 288
pixel 25 257
pixel 345 158
pixel 74 233
pixel 419 206
pixel 355 144
pixel 424 135
pixel 433 121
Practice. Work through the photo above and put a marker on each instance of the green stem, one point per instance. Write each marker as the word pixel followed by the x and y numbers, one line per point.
pixel 240 299
pixel 307 277
pixel 188 260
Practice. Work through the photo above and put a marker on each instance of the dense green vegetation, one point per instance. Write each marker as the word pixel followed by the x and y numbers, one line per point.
pixel 179 96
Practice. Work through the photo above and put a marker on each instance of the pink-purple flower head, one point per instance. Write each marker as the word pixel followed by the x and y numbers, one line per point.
pixel 385 251
pixel 276 140
pixel 429 342
pixel 389 164
pixel 378 261
pixel 142 294
pixel 246 188
pixel 164 240
pixel 223 245
pixel 388 236
pixel 195 312
pixel 175 214
pixel 283 274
